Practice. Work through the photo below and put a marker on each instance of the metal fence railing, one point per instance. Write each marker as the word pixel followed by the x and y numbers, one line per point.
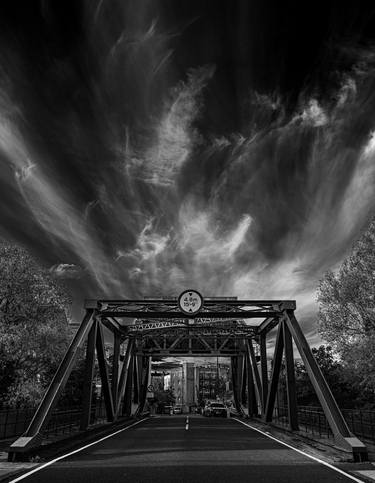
pixel 14 422
pixel 361 422
pixel 313 421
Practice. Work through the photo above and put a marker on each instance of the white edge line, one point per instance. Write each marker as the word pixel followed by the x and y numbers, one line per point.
pixel 302 452
pixel 25 475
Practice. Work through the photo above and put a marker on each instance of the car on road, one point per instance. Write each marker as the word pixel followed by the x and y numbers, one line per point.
pixel 177 410
pixel 215 409
pixel 167 410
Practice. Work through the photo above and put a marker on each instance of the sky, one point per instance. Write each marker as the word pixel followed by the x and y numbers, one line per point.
pixel 150 146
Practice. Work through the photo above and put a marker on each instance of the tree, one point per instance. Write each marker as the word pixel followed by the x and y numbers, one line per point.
pixel 336 374
pixel 347 310
pixel 34 332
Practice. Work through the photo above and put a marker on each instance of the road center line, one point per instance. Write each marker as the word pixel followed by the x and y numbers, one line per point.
pixel 301 452
pixel 187 423
pixel 49 463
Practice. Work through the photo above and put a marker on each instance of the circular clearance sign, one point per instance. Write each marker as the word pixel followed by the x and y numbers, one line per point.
pixel 190 302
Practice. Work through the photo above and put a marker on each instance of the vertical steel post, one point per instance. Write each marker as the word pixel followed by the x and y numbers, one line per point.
pixel 277 358
pixel 127 406
pixel 251 399
pixel 144 366
pixel 136 379
pixel 124 374
pixel 140 362
pixel 236 377
pixel 290 379
pixel 234 380
pixel 264 369
pixel 251 353
pixel 115 365
pixel 89 375
pixel 103 369
pixel 240 378
pixel 244 368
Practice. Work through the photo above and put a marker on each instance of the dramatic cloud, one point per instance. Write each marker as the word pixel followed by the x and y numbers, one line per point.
pixel 131 165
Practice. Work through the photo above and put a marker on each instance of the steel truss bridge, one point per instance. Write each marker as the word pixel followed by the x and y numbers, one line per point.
pixel 162 327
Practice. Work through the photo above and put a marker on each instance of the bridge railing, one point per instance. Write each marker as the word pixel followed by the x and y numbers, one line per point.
pixel 14 422
pixel 361 422
pixel 313 421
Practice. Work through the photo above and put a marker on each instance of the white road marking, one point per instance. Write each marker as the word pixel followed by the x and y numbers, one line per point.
pixel 49 463
pixel 301 452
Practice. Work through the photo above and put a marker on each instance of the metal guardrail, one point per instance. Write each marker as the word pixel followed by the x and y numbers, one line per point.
pixel 14 422
pixel 313 421
pixel 361 422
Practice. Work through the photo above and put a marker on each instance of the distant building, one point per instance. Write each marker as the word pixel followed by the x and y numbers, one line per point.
pixel 207 383
pixel 167 382
pixel 177 384
pixel 182 381
pixel 191 384
pixel 213 382
pixel 157 380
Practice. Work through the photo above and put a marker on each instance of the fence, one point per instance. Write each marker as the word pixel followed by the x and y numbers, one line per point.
pixel 361 422
pixel 312 420
pixel 14 422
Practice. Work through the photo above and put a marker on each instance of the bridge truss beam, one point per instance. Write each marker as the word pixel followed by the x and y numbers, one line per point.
pixel 161 329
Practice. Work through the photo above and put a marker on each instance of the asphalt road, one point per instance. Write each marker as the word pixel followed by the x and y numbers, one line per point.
pixel 209 450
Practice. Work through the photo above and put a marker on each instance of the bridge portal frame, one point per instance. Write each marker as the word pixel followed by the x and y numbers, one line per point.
pixel 163 329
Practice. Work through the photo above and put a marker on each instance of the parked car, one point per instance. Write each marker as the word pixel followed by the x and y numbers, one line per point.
pixel 215 409
pixel 177 410
pixel 167 410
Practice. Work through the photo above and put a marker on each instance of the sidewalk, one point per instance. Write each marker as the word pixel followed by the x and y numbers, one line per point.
pixel 8 470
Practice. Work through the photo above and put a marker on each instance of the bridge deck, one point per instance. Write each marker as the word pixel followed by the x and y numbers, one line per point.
pixel 210 450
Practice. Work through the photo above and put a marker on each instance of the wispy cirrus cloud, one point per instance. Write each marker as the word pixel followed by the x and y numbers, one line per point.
pixel 137 171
